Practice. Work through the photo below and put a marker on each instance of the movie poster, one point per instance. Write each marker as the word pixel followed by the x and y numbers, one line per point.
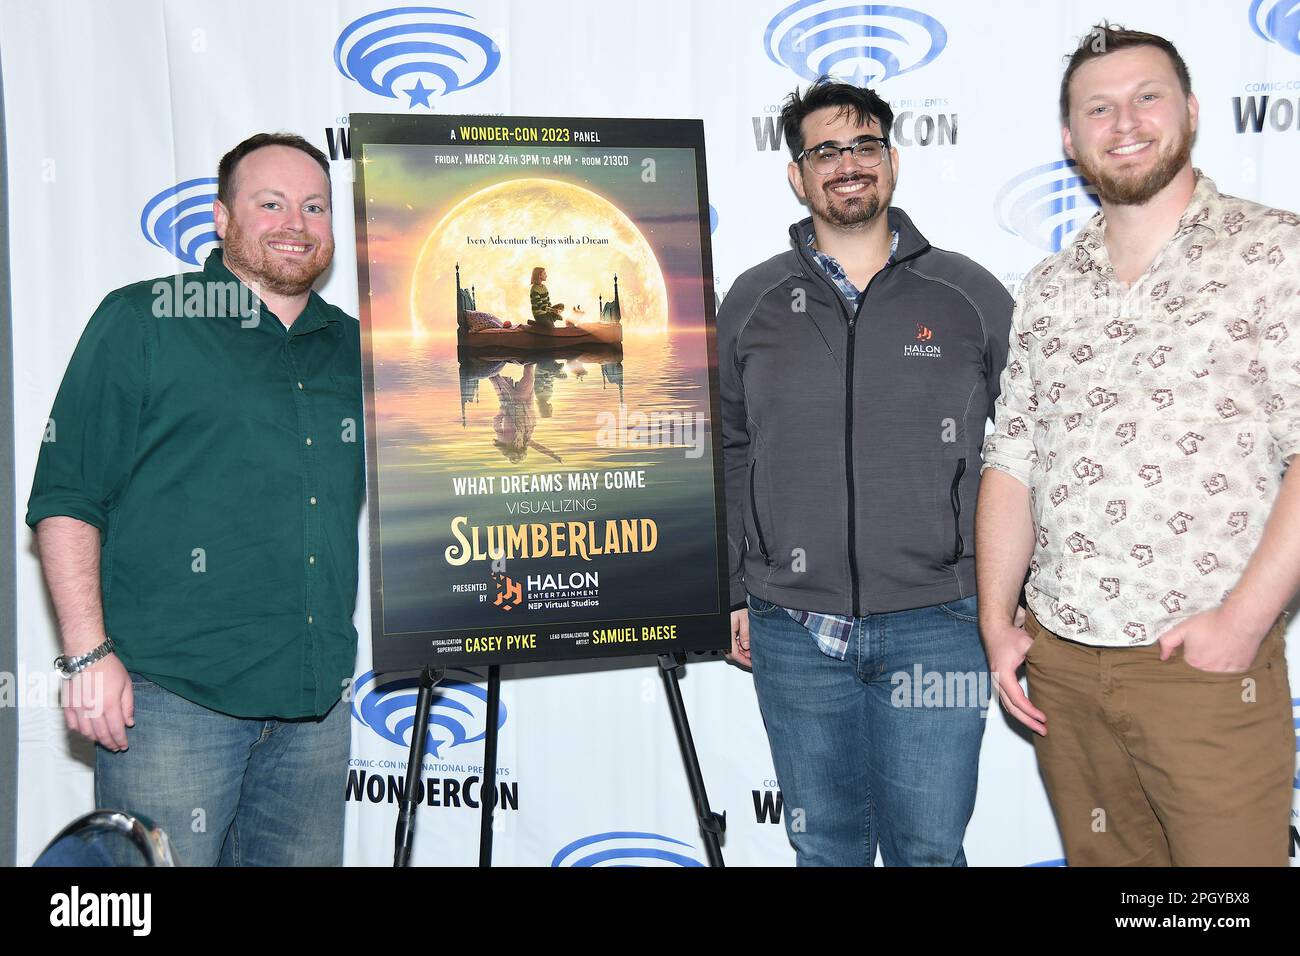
pixel 541 389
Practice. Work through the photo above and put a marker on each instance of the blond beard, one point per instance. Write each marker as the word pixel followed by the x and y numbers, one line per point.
pixel 1135 191
pixel 247 258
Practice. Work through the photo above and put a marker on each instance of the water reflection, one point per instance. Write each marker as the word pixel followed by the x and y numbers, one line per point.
pixel 441 409
pixel 509 439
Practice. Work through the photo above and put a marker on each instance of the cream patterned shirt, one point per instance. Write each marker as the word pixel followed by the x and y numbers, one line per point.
pixel 1152 423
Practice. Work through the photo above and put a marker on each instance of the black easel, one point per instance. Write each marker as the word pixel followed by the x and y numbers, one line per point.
pixel 712 825
pixel 429 677
pixel 488 791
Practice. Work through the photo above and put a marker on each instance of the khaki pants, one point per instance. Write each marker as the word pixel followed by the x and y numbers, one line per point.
pixel 1155 763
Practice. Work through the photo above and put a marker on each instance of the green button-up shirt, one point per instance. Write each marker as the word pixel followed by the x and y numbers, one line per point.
pixel 221 457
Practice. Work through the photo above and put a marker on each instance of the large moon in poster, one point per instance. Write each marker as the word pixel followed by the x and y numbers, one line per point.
pixel 577 274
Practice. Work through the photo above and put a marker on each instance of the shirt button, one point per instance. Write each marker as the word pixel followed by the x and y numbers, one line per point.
pixel 313 499
pixel 309 619
pixel 308 441
pixel 311 559
pixel 300 384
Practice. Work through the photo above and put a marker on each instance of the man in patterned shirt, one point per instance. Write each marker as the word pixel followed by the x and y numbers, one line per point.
pixel 1148 411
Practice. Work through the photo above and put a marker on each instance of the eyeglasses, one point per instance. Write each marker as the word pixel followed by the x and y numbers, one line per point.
pixel 867 153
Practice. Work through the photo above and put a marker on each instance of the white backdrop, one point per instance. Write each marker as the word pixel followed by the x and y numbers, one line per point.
pixel 109 105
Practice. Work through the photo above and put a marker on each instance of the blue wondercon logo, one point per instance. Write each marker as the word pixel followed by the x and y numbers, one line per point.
pixel 713 219
pixel 179 219
pixel 1059 862
pixel 625 848
pixel 1295 720
pixel 1277 21
pixel 1046 204
pixel 389 710
pixel 860 44
pixel 431 44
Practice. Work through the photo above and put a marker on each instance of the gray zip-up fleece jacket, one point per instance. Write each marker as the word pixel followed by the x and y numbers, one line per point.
pixel 851 441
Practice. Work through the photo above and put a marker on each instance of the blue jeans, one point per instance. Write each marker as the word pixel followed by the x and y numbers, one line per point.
pixel 881 748
pixel 230 791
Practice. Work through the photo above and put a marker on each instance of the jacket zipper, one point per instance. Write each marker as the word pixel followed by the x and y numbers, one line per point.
pixel 753 507
pixel 848 454
pixel 852 318
pixel 848 437
pixel 959 546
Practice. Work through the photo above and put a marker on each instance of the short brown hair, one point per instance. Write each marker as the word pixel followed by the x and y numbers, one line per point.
pixel 226 168
pixel 1106 38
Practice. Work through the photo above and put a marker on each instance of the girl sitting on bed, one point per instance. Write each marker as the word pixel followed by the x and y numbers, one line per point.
pixel 544 313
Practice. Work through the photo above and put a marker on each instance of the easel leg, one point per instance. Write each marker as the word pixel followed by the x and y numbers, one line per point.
pixel 402 839
pixel 488 789
pixel 711 824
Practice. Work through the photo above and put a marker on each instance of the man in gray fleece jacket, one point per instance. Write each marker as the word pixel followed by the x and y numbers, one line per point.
pixel 857 372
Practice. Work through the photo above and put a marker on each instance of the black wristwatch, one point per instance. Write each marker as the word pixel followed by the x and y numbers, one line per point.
pixel 67 666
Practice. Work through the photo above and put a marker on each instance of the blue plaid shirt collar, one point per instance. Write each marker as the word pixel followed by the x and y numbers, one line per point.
pixel 836 272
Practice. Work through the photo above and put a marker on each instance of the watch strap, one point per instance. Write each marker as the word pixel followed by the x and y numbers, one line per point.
pixel 68 666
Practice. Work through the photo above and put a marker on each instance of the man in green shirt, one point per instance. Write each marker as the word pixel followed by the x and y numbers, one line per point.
pixel 195 505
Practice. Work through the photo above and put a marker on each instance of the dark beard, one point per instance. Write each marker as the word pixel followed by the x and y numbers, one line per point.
pixel 853 212
pixel 1129 191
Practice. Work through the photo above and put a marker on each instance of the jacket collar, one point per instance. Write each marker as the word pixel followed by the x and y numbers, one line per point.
pixel 910 241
